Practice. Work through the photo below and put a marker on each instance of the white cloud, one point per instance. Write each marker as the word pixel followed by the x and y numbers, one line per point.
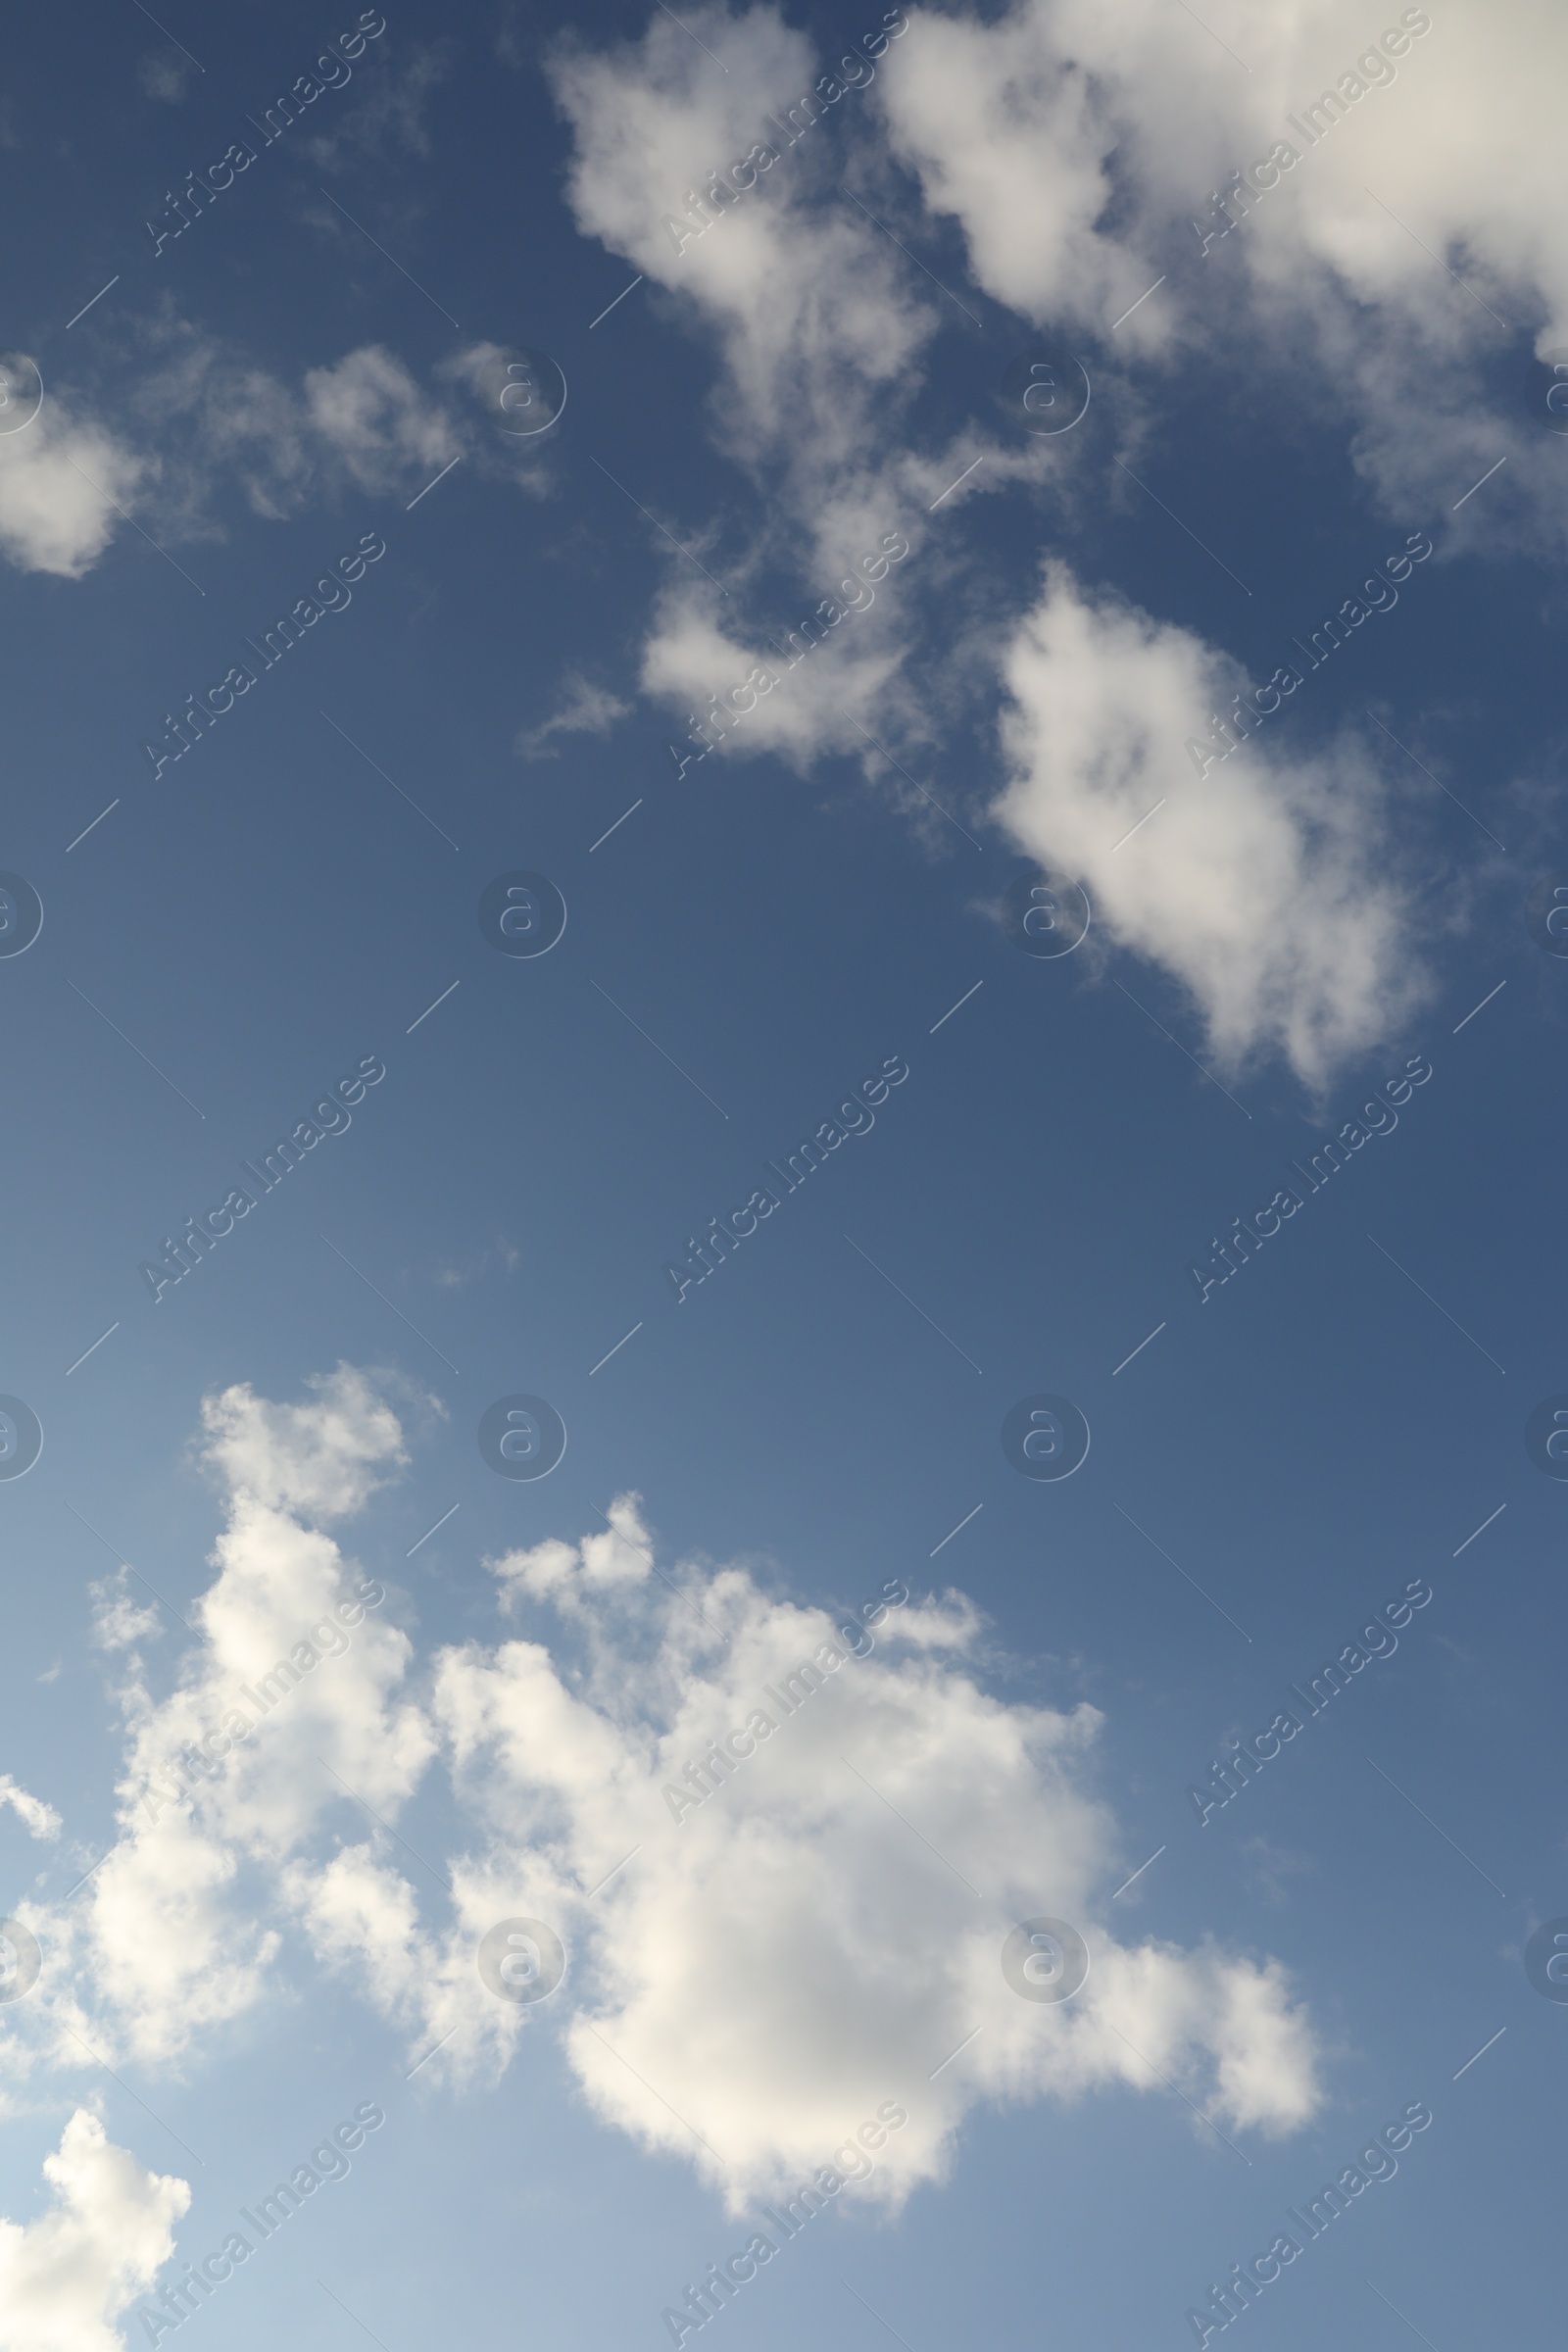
pixel 40 1820
pixel 292 1697
pixel 585 709
pixel 293 1700
pixel 1071 142
pixel 654 121
pixel 829 700
pixel 750 1975
pixel 763 1972
pixel 231 416
pixel 324 1458
pixel 193 412
pixel 568 1574
pixel 820 326
pixel 379 423
pixel 362 423
pixel 816 319
pixel 1276 927
pixel 361 1914
pixel 1265 888
pixel 69 2276
pixel 61 479
pixel 1010 134
pixel 119 1622
pixel 1074 142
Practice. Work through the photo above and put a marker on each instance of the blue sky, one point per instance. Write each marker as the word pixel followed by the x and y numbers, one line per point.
pixel 954 654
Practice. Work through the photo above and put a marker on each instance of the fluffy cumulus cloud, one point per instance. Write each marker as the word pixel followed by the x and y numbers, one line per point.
pixel 786 1845
pixel 291 1697
pixel 1386 247
pixel 323 1458
pixel 1262 885
pixel 726 190
pixel 810 303
pixel 1072 144
pixel 1385 239
pixel 1009 134
pixel 62 479
pixel 781 1845
pixel 69 2276
pixel 1080 147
